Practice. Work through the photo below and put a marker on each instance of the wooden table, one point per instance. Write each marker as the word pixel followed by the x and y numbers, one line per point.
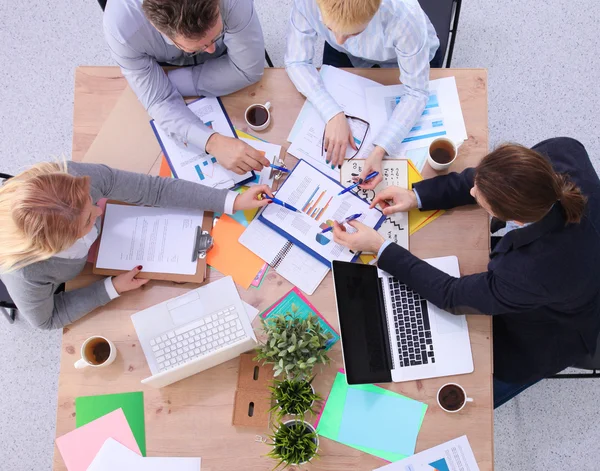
pixel 193 417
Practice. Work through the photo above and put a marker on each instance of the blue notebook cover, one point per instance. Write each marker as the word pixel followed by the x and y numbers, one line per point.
pixel 297 242
pixel 237 183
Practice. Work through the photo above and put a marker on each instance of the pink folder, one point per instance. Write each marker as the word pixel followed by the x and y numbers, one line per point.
pixel 79 447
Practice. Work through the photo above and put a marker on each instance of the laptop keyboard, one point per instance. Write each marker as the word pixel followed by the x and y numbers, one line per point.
pixel 412 328
pixel 198 338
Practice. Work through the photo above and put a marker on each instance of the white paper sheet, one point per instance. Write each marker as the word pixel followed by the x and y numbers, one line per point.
pixel 349 91
pixel 115 457
pixel 454 455
pixel 395 173
pixel 189 163
pixel 316 196
pixel 272 153
pixel 160 239
pixel 251 311
pixel 442 116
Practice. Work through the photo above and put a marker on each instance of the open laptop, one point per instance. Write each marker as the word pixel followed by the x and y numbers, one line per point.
pixel 193 332
pixel 389 333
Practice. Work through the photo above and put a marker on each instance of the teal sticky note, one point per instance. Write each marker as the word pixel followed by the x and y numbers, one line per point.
pixel 380 421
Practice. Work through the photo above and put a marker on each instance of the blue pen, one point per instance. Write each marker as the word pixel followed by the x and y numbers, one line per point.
pixel 348 219
pixel 280 203
pixel 281 169
pixel 351 187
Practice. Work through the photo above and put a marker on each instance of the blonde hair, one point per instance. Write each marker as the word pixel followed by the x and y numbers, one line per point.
pixel 40 214
pixel 346 15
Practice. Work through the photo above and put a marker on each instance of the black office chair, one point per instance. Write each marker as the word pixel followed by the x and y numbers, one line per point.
pixel 590 362
pixel 7 306
pixel 102 4
pixel 444 17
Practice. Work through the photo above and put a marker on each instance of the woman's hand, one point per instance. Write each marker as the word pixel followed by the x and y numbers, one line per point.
pixel 337 137
pixel 394 199
pixel 128 281
pixel 365 239
pixel 372 164
pixel 250 199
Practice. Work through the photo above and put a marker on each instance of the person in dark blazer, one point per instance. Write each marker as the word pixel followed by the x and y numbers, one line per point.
pixel 542 286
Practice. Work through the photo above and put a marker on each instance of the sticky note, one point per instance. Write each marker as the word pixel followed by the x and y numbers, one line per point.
pixel 88 408
pixel 79 447
pixel 418 219
pixel 389 423
pixel 229 256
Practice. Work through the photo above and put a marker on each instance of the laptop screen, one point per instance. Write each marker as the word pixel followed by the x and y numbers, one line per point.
pixel 365 339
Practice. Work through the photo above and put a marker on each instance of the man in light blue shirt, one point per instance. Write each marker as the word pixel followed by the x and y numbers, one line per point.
pixel 222 43
pixel 388 33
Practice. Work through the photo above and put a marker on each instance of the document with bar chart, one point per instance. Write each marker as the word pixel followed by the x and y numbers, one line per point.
pixel 315 195
pixel 195 165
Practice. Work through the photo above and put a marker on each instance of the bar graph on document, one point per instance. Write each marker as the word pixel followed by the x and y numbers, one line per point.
pixel 312 207
pixel 429 125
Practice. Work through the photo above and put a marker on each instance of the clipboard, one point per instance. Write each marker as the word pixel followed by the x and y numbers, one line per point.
pixel 299 243
pixel 199 277
pixel 236 183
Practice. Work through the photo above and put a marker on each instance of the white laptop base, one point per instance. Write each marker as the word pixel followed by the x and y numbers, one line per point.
pixel 193 332
pixel 449 332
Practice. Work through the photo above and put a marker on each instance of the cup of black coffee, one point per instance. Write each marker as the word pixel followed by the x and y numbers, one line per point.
pixel 258 116
pixel 97 351
pixel 442 152
pixel 452 397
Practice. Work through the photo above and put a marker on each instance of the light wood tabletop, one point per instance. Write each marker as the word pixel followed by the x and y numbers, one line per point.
pixel 193 417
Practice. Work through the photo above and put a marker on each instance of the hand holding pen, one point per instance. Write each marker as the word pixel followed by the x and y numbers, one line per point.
pixel 360 182
pixel 272 199
pixel 348 219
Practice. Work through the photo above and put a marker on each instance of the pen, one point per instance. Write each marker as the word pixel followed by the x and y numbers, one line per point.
pixel 348 219
pixel 351 187
pixel 280 203
pixel 281 169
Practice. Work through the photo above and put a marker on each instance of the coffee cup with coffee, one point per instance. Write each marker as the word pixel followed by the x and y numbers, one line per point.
pixel 442 153
pixel 258 116
pixel 96 352
pixel 452 397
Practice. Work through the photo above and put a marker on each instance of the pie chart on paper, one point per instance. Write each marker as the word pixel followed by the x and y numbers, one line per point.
pixel 440 465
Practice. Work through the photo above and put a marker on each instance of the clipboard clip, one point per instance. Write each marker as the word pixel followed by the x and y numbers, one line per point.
pixel 278 174
pixel 202 244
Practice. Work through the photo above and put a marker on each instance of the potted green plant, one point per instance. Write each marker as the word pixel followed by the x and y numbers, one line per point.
pixel 295 442
pixel 294 345
pixel 293 397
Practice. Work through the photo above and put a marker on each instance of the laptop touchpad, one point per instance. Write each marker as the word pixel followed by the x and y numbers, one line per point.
pixel 447 323
pixel 186 309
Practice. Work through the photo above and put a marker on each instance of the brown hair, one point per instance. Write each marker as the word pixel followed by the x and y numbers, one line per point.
pixel 188 18
pixel 520 184
pixel 40 214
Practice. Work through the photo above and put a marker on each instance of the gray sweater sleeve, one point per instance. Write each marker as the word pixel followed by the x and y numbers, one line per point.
pixel 137 188
pixel 45 310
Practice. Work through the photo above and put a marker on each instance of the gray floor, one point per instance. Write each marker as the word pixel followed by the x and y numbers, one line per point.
pixel 543 68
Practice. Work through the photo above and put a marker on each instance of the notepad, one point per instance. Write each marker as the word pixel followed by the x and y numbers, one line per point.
pixel 115 457
pixel 79 447
pixel 418 219
pixel 88 408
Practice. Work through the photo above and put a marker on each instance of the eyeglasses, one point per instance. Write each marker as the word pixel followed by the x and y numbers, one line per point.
pixel 203 48
pixel 359 129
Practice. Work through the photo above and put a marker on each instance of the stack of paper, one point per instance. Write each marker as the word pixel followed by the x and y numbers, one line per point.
pixel 371 419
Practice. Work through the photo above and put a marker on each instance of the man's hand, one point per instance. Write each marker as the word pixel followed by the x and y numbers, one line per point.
pixel 128 281
pixel 235 154
pixel 372 164
pixel 249 199
pixel 365 239
pixel 394 199
pixel 337 138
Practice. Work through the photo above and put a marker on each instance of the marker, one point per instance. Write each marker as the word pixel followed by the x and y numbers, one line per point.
pixel 351 187
pixel 348 219
pixel 280 203
pixel 281 169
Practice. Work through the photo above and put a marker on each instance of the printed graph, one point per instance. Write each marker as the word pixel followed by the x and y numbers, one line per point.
pixel 312 208
pixel 204 170
pixel 440 465
pixel 429 125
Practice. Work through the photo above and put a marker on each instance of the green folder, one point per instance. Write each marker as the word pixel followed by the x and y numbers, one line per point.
pixel 89 408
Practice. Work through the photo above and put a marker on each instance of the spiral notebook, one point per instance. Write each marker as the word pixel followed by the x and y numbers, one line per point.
pixel 294 264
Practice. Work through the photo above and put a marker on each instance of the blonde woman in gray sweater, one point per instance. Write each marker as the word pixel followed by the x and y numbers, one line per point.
pixel 49 220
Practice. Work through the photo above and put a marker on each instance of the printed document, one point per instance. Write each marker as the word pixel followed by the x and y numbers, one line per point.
pixel 160 239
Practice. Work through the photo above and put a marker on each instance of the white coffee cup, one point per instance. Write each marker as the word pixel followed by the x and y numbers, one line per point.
pixel 464 402
pixel 96 352
pixel 448 147
pixel 263 123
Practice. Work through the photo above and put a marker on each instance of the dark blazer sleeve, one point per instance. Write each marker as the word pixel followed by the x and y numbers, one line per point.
pixel 482 293
pixel 446 191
